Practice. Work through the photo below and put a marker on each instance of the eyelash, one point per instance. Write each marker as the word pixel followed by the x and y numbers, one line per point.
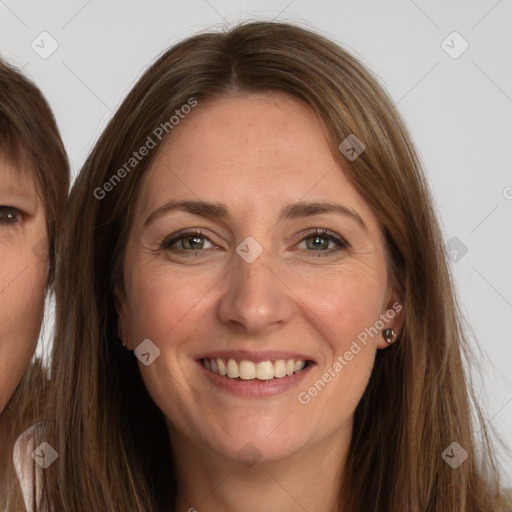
pixel 4 212
pixel 318 233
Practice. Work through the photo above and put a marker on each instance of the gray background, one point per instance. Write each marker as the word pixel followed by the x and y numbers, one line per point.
pixel 457 105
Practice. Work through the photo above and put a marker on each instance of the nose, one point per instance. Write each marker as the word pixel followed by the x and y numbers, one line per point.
pixel 257 299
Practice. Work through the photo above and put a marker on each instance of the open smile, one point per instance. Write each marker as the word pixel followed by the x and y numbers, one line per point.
pixel 255 376
pixel 248 370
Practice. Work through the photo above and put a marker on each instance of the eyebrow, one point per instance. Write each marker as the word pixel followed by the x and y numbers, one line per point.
pixel 291 211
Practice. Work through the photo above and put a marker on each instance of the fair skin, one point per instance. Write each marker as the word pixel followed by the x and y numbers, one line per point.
pixel 197 297
pixel 23 275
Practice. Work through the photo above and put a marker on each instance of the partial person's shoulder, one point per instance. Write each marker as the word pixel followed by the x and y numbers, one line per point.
pixel 29 457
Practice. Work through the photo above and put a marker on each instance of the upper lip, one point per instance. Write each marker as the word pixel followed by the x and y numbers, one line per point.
pixel 256 356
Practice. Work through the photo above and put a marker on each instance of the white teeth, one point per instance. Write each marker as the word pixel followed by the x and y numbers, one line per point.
pixel 299 365
pixel 280 368
pixel 232 369
pixel 221 366
pixel 248 370
pixel 265 370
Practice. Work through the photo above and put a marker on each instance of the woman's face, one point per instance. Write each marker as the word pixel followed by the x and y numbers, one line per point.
pixel 23 274
pixel 256 285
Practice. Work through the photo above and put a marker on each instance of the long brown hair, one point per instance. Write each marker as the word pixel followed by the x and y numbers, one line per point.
pixel 114 450
pixel 30 141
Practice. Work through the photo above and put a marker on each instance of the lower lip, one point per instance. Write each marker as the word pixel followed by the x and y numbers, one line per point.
pixel 255 387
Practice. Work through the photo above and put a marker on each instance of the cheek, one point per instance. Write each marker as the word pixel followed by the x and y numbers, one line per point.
pixel 344 310
pixel 22 286
pixel 171 308
pixel 344 304
pixel 161 302
pixel 160 307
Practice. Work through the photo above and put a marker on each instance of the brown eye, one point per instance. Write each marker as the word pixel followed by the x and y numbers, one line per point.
pixel 10 215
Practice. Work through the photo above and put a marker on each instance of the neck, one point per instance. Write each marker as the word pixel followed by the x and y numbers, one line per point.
pixel 309 479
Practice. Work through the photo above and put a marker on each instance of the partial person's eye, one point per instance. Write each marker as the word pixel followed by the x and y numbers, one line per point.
pixel 190 241
pixel 320 242
pixel 10 215
pixel 195 241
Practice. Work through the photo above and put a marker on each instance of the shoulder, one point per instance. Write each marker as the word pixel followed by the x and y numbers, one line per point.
pixel 28 458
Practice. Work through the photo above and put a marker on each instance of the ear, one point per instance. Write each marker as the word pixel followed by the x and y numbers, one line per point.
pixel 120 307
pixel 393 318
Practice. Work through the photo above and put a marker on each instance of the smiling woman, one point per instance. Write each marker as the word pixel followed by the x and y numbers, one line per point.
pixel 281 239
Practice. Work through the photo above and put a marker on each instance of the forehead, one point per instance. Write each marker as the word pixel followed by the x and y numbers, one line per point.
pixel 17 175
pixel 253 153
pixel 244 135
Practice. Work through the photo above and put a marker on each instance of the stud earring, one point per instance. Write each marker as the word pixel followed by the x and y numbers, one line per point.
pixel 389 335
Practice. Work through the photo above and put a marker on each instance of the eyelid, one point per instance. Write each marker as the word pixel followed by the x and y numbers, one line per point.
pixel 341 241
pixel 321 232
pixel 10 207
pixel 25 202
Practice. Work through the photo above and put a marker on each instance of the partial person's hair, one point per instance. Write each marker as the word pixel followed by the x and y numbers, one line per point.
pixel 113 445
pixel 31 143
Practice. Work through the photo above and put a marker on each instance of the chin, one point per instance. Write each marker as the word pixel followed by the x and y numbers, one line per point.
pixel 252 441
